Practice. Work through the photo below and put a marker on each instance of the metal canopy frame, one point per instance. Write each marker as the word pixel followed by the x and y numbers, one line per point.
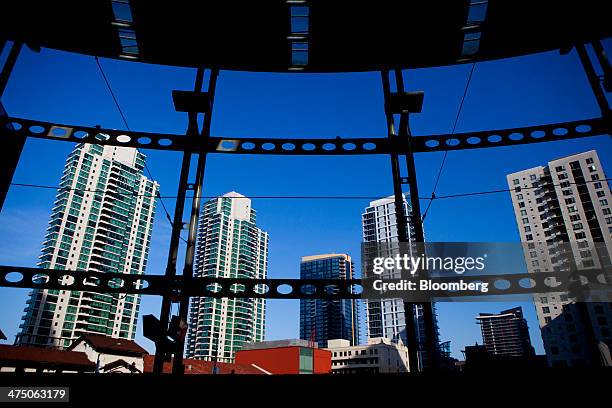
pixel 179 288
pixel 333 36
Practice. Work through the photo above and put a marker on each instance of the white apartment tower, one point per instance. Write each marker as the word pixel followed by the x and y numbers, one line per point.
pixel 386 318
pixel 101 221
pixel 564 215
pixel 230 245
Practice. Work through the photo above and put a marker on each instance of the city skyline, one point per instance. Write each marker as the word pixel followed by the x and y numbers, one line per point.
pixel 438 208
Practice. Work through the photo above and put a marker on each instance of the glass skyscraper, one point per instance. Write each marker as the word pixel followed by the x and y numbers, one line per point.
pixel 230 245
pixel 101 221
pixel 320 319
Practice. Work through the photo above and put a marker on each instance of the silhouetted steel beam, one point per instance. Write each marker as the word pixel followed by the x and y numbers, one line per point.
pixel 160 285
pixel 431 346
pixel 600 96
pixel 10 147
pixel 311 147
pixel 401 222
pixel 177 364
pixel 177 226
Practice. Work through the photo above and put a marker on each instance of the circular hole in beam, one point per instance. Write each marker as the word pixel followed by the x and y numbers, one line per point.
pixel 66 280
pixel 164 142
pixel 268 146
pixel 473 140
pixel 13 277
pixel 329 146
pixel 237 288
pixel 452 142
pixel 140 284
pixel 229 145
pixel 308 289
pixel 247 146
pixel 516 136
pixel 308 146
pixel 349 146
pixel 288 146
pixel 36 129
pixel 284 289
pixel 144 140
pixel 40 278
pixel 356 289
pixel 91 281
pixel 583 128
pixel 123 138
pixel 16 125
pixel 369 146
pixel 115 283
pixel 214 287
pixel 527 283
pixel 538 134
pixel 58 131
pixel 432 143
pixel 494 138
pixel 261 288
pixel 331 289
pixel 80 134
pixel 560 132
pixel 502 284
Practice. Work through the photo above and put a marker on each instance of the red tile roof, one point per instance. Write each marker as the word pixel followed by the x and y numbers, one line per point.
pixel 193 366
pixel 110 345
pixel 27 356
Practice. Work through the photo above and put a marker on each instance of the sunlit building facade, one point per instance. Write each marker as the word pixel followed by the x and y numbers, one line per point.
pixel 230 245
pixel 101 221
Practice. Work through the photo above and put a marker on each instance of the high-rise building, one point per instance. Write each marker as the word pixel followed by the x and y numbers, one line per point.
pixel 101 221
pixel 230 245
pixel 506 333
pixel 321 319
pixel 564 215
pixel 386 318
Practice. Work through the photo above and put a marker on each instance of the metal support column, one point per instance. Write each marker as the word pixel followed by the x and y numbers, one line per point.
pixel 10 145
pixel 178 367
pixel 177 226
pixel 600 96
pixel 401 222
pixel 405 135
pixel 600 53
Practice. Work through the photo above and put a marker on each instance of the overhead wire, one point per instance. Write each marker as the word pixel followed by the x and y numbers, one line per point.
pixel 433 191
pixel 127 126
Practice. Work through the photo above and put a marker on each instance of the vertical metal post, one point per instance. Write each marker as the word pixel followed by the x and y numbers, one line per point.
pixel 177 225
pixel 9 65
pixel 417 223
pixel 178 367
pixel 401 223
pixel 10 145
pixel 600 96
pixel 600 53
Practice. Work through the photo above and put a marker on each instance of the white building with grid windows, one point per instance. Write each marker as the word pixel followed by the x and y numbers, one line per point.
pixel 386 318
pixel 229 245
pixel 564 215
pixel 101 221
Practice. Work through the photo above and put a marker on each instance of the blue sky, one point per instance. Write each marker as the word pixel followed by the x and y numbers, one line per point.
pixel 63 87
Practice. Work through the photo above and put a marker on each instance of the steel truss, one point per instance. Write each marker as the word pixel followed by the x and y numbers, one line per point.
pixel 22 128
pixel 178 289
pixel 579 282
